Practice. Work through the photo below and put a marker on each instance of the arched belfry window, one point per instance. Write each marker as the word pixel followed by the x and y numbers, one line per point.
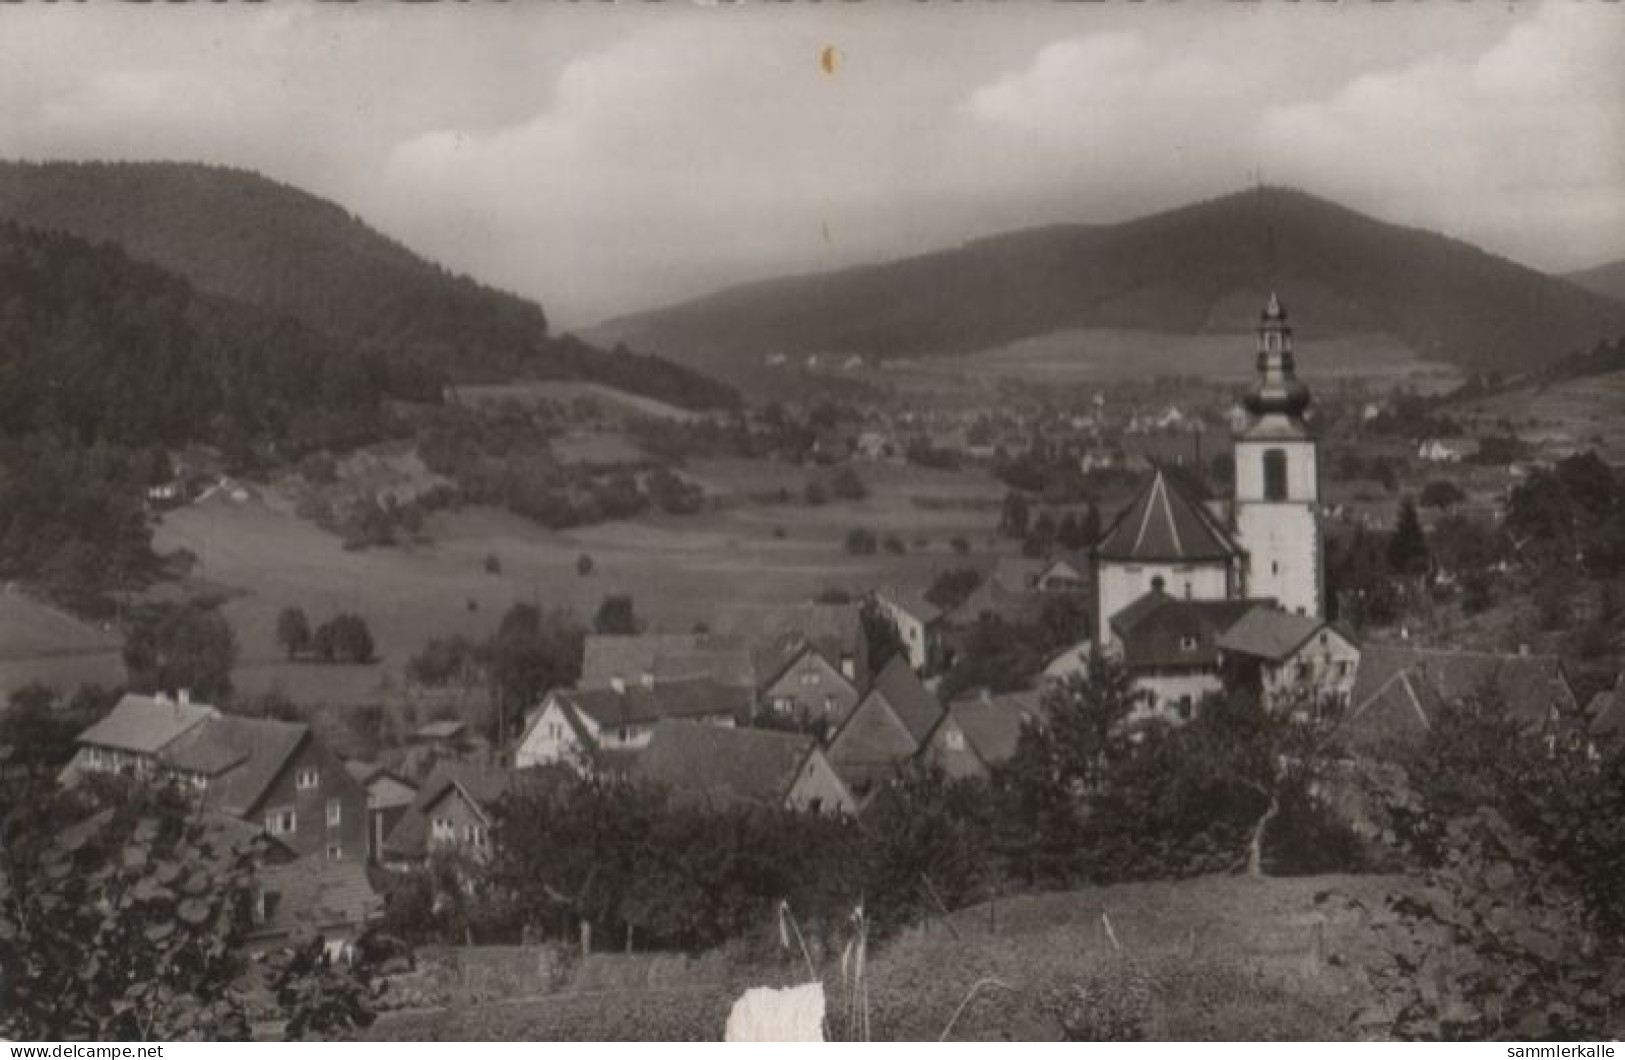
pixel 1275 474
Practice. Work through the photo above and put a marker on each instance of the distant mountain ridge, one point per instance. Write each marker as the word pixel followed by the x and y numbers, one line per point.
pixel 237 234
pixel 1203 267
pixel 1607 280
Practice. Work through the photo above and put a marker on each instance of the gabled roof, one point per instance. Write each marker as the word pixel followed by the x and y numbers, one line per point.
pixel 909 699
pixel 996 598
pixel 1168 522
pixel 1273 634
pixel 449 729
pixel 1158 630
pixel 723 766
pixel 777 635
pixel 483 786
pixel 911 600
pixel 145 724
pixel 317 894
pixel 1398 688
pixel 992 723
pixel 241 757
pixel 636 703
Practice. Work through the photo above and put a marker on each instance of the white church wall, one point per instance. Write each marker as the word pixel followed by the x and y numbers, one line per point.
pixel 1120 584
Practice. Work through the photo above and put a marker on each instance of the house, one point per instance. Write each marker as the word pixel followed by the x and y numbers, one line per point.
pixel 1170 648
pixel 1285 654
pixel 450 737
pixel 1064 572
pixel 1399 690
pixel 888 727
pixel 1605 713
pixel 811 691
pixel 128 739
pixel 979 732
pixel 453 814
pixel 919 623
pixel 574 724
pixel 629 657
pixel 1442 451
pixel 1069 662
pixel 278 774
pixel 777 635
pixel 272 773
pixel 333 900
pixel 388 796
pixel 720 768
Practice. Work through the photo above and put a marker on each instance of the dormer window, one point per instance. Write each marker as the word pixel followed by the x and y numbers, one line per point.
pixel 955 740
pixel 306 779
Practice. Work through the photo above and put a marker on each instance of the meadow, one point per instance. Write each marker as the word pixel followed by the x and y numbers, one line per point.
pixel 726 566
pixel 1568 417
pixel 40 643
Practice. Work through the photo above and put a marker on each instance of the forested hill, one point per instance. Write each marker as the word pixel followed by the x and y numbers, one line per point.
pixel 1206 267
pixel 237 234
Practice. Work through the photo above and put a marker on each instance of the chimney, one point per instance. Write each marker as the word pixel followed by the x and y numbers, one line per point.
pixel 849 666
pixel 618 684
pixel 184 697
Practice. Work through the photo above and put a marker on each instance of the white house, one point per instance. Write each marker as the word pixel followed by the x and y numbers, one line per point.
pixel 575 724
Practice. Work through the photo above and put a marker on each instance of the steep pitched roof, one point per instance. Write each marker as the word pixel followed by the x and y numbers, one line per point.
pixel 992 723
pixel 1169 522
pixel 636 703
pixel 145 724
pixel 482 785
pixel 1271 633
pixel 1398 688
pixel 317 894
pixel 241 757
pixel 909 699
pixel 1158 630
pixel 778 636
pixel 723 766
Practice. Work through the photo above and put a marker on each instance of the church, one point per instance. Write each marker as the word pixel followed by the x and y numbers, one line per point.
pixel 1183 581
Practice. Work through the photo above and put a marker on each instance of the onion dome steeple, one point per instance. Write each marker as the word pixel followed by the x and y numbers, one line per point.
pixel 1277 391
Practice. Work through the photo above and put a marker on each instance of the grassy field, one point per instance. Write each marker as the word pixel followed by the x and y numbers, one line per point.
pixel 1570 417
pixel 41 643
pixel 613 402
pixel 1100 355
pixel 1219 958
pixel 722 566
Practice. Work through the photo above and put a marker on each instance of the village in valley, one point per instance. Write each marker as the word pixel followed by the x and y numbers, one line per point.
pixel 1207 625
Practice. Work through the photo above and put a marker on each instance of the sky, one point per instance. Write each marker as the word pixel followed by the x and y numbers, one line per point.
pixel 608 158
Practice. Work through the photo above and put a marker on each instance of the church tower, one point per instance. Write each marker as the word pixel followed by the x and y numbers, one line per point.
pixel 1277 516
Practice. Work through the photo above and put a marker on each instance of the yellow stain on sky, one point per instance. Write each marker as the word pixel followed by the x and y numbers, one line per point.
pixel 829 58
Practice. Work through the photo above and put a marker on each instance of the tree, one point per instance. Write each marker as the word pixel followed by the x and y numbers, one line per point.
pixel 847 486
pixel 344 638
pixel 861 541
pixel 293 631
pixel 1408 547
pixel 131 925
pixel 530 653
pixel 181 646
pixel 1013 517
pixel 1070 536
pixel 1441 493
pixel 952 587
pixel 880 636
pixel 616 615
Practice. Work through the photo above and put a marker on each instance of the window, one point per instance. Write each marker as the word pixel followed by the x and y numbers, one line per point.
pixel 335 852
pixel 956 740
pixel 281 822
pixel 442 829
pixel 809 677
pixel 1187 643
pixel 1275 567
pixel 335 813
pixel 306 779
pixel 1275 474
pixel 1183 708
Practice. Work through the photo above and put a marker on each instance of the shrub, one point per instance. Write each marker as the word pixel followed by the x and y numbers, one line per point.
pixel 584 565
pixel 493 564
pixel 861 542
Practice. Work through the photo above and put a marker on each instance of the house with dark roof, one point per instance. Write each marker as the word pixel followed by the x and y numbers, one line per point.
pixel 715 767
pixel 389 794
pixel 128 739
pixel 1400 689
pixel 333 900
pixel 1170 647
pixel 273 773
pixel 810 692
pixel 979 732
pixel 1064 572
pixel 573 725
pixel 888 727
pixel 1285 655
pixel 778 636
pixel 454 812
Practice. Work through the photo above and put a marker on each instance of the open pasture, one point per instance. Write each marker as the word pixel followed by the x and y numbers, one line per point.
pixel 1569 417
pixel 720 566
pixel 39 643
pixel 610 401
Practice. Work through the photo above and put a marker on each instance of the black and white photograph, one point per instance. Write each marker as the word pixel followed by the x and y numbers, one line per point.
pixel 741 520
